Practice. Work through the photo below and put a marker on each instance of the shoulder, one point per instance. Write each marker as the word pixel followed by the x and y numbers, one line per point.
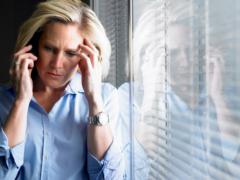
pixel 123 90
pixel 108 91
pixel 108 88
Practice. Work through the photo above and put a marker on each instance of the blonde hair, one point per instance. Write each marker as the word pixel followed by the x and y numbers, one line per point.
pixel 68 11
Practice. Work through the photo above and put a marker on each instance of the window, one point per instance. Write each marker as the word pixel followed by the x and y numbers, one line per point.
pixel 176 66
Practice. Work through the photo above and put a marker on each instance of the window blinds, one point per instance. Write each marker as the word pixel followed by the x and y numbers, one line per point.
pixel 185 93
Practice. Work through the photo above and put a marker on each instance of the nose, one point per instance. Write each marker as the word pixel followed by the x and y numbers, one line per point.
pixel 57 60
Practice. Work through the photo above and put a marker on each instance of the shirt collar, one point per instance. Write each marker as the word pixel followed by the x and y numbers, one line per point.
pixel 75 85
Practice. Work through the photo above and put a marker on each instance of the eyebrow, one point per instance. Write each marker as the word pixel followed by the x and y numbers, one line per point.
pixel 68 49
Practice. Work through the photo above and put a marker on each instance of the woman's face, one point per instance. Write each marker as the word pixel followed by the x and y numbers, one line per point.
pixel 58 54
pixel 180 63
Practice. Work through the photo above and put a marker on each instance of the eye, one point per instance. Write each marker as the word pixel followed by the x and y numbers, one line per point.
pixel 48 48
pixel 71 54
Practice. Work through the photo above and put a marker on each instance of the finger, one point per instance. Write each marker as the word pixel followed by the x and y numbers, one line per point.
pixel 93 47
pixel 89 52
pixel 90 44
pixel 86 49
pixel 18 62
pixel 16 66
pixel 27 65
pixel 23 50
pixel 85 58
pixel 27 56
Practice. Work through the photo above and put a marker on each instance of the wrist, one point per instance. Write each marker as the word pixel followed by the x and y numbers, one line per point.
pixel 24 98
pixel 99 119
pixel 95 105
pixel 21 102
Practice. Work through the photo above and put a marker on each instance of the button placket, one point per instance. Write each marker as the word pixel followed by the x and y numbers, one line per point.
pixel 45 161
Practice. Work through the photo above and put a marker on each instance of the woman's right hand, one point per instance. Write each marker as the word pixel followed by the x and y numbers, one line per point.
pixel 20 72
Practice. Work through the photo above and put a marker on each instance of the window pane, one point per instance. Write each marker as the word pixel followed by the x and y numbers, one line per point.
pixel 179 90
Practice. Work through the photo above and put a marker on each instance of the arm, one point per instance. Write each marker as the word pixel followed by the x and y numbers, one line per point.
pixel 14 127
pixel 99 138
pixel 104 155
pixel 12 144
pixel 112 165
pixel 228 126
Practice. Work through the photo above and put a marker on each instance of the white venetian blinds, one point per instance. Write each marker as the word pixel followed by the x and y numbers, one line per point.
pixel 185 91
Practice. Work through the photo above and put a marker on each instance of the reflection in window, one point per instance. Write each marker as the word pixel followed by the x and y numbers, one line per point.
pixel 184 100
pixel 189 123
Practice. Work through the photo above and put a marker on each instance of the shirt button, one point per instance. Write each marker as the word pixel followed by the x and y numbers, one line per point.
pixel 46 157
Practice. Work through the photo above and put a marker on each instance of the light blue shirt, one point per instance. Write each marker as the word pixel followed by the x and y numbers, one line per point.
pixel 55 146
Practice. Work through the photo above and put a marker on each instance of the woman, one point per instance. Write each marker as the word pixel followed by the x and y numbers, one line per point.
pixel 54 122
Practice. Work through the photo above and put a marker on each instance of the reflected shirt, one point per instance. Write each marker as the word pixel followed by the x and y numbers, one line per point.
pixel 55 146
pixel 140 164
pixel 207 147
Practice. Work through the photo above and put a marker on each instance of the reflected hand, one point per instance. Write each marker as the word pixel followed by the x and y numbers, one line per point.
pixel 150 73
pixel 20 73
pixel 214 74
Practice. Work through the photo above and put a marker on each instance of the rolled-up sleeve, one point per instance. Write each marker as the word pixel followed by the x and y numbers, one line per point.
pixel 11 159
pixel 112 166
pixel 230 149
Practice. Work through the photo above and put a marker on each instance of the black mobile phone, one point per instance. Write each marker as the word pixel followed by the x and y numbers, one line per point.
pixel 34 42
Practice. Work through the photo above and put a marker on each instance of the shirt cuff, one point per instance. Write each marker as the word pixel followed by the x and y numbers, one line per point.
pixel 113 160
pixel 13 155
pixel 229 149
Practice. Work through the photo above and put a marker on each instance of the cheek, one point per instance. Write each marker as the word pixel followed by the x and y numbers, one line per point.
pixel 40 64
pixel 70 68
pixel 42 59
pixel 71 64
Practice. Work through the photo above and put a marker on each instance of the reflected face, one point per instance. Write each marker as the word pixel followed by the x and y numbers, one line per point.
pixel 180 63
pixel 58 54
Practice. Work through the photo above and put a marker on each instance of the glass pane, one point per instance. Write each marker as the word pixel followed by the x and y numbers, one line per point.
pixel 186 88
pixel 179 90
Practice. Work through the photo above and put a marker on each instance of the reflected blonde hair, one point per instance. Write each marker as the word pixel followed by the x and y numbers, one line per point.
pixel 67 11
pixel 150 32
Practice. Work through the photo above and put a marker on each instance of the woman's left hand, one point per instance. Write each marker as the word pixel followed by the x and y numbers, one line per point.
pixel 91 71
pixel 214 71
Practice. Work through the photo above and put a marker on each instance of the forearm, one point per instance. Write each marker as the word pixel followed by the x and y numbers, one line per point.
pixel 99 138
pixel 16 123
pixel 225 119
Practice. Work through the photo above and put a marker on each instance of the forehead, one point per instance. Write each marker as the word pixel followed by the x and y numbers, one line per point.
pixel 62 33
pixel 178 36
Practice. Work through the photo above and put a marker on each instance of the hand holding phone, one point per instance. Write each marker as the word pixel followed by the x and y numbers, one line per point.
pixel 20 72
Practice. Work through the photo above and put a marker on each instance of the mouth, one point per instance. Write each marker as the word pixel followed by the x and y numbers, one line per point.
pixel 54 74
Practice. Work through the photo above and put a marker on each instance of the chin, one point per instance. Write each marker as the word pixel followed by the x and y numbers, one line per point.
pixel 53 84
